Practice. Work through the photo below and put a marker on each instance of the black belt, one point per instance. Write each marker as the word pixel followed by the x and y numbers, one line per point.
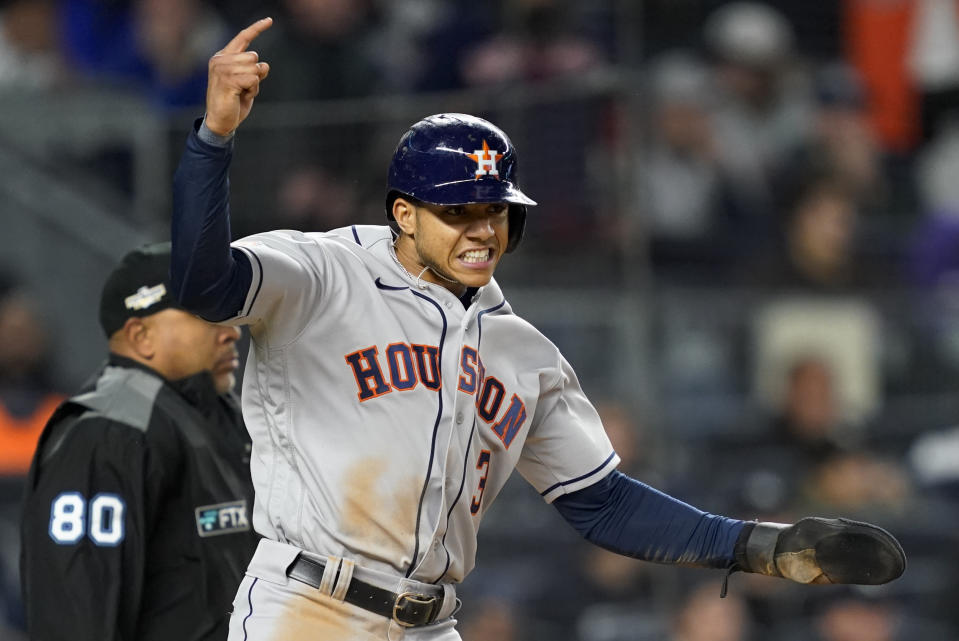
pixel 407 609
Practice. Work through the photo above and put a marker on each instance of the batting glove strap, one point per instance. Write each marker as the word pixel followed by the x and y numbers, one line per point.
pixel 756 547
pixel 819 550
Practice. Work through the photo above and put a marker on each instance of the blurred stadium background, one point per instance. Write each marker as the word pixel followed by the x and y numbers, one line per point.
pixel 747 244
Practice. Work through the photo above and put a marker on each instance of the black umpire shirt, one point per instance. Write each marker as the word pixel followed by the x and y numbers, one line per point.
pixel 136 519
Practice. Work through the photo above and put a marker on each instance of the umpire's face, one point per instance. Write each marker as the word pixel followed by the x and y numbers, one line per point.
pixel 183 345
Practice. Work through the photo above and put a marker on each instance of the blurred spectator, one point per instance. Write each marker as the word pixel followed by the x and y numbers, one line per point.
pixel 27 400
pixel 843 147
pixel 491 618
pixel 821 226
pixel 853 619
pixel 934 460
pixel 841 143
pixel 176 39
pixel 857 619
pixel 858 484
pixel 319 49
pixel 29 55
pixel 818 248
pixel 421 40
pixel 680 188
pixel 506 42
pixel 671 23
pixel 416 40
pixel 810 424
pixel 814 370
pixel 933 62
pixel 678 177
pixel 763 109
pixel 543 45
pixel 157 47
pixel 705 617
pixel 640 449
pixel 934 249
pixel 312 198
pixel 26 396
pixel 562 181
pixel 668 24
pixel 541 42
pixel 806 428
pixel 862 614
pixel 843 334
pixel 614 598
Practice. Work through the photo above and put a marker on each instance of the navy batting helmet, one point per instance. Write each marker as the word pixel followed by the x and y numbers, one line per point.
pixel 457 159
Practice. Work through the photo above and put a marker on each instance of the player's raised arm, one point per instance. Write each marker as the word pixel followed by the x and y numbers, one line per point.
pixel 235 73
pixel 207 277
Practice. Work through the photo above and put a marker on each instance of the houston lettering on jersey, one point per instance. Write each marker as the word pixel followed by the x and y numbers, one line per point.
pixel 409 365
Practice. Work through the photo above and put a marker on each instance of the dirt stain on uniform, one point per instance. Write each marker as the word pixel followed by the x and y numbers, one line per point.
pixel 380 516
pixel 310 618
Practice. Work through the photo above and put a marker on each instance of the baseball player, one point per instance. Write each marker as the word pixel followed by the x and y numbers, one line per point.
pixel 135 521
pixel 390 391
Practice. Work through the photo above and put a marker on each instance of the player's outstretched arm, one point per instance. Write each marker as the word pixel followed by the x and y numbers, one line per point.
pixel 631 518
pixel 234 79
pixel 821 551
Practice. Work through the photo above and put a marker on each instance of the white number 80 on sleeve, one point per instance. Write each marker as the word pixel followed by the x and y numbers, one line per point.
pixel 71 517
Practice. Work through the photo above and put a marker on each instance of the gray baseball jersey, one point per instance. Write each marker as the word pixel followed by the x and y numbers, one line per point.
pixel 386 417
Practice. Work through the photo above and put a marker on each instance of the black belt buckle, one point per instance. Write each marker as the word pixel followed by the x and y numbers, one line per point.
pixel 411 609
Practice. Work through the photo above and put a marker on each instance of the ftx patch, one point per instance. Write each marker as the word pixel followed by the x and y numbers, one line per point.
pixel 222 518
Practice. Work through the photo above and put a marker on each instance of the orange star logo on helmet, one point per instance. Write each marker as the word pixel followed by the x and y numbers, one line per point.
pixel 486 161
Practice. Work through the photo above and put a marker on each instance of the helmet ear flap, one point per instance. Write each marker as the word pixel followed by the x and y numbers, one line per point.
pixel 391 197
pixel 517 226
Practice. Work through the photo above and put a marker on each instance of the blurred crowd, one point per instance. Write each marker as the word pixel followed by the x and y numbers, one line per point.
pixel 779 179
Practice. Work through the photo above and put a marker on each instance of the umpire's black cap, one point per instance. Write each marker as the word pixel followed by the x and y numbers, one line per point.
pixel 138 286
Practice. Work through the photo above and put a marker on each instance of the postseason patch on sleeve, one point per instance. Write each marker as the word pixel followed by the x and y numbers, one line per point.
pixel 222 518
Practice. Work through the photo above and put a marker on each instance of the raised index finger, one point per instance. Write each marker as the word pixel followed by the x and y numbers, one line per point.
pixel 243 39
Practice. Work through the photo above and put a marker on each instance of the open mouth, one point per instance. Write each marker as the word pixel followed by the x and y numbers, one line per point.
pixel 477 256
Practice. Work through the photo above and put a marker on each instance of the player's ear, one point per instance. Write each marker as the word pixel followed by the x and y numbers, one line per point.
pixel 404 212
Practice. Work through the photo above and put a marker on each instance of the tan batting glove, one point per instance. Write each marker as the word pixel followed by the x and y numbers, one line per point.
pixel 234 80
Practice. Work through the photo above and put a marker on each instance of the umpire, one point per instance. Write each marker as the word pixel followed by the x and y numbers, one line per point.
pixel 136 516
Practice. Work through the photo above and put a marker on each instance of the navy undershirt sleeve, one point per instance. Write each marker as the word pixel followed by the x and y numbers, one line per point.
pixel 631 518
pixel 208 277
